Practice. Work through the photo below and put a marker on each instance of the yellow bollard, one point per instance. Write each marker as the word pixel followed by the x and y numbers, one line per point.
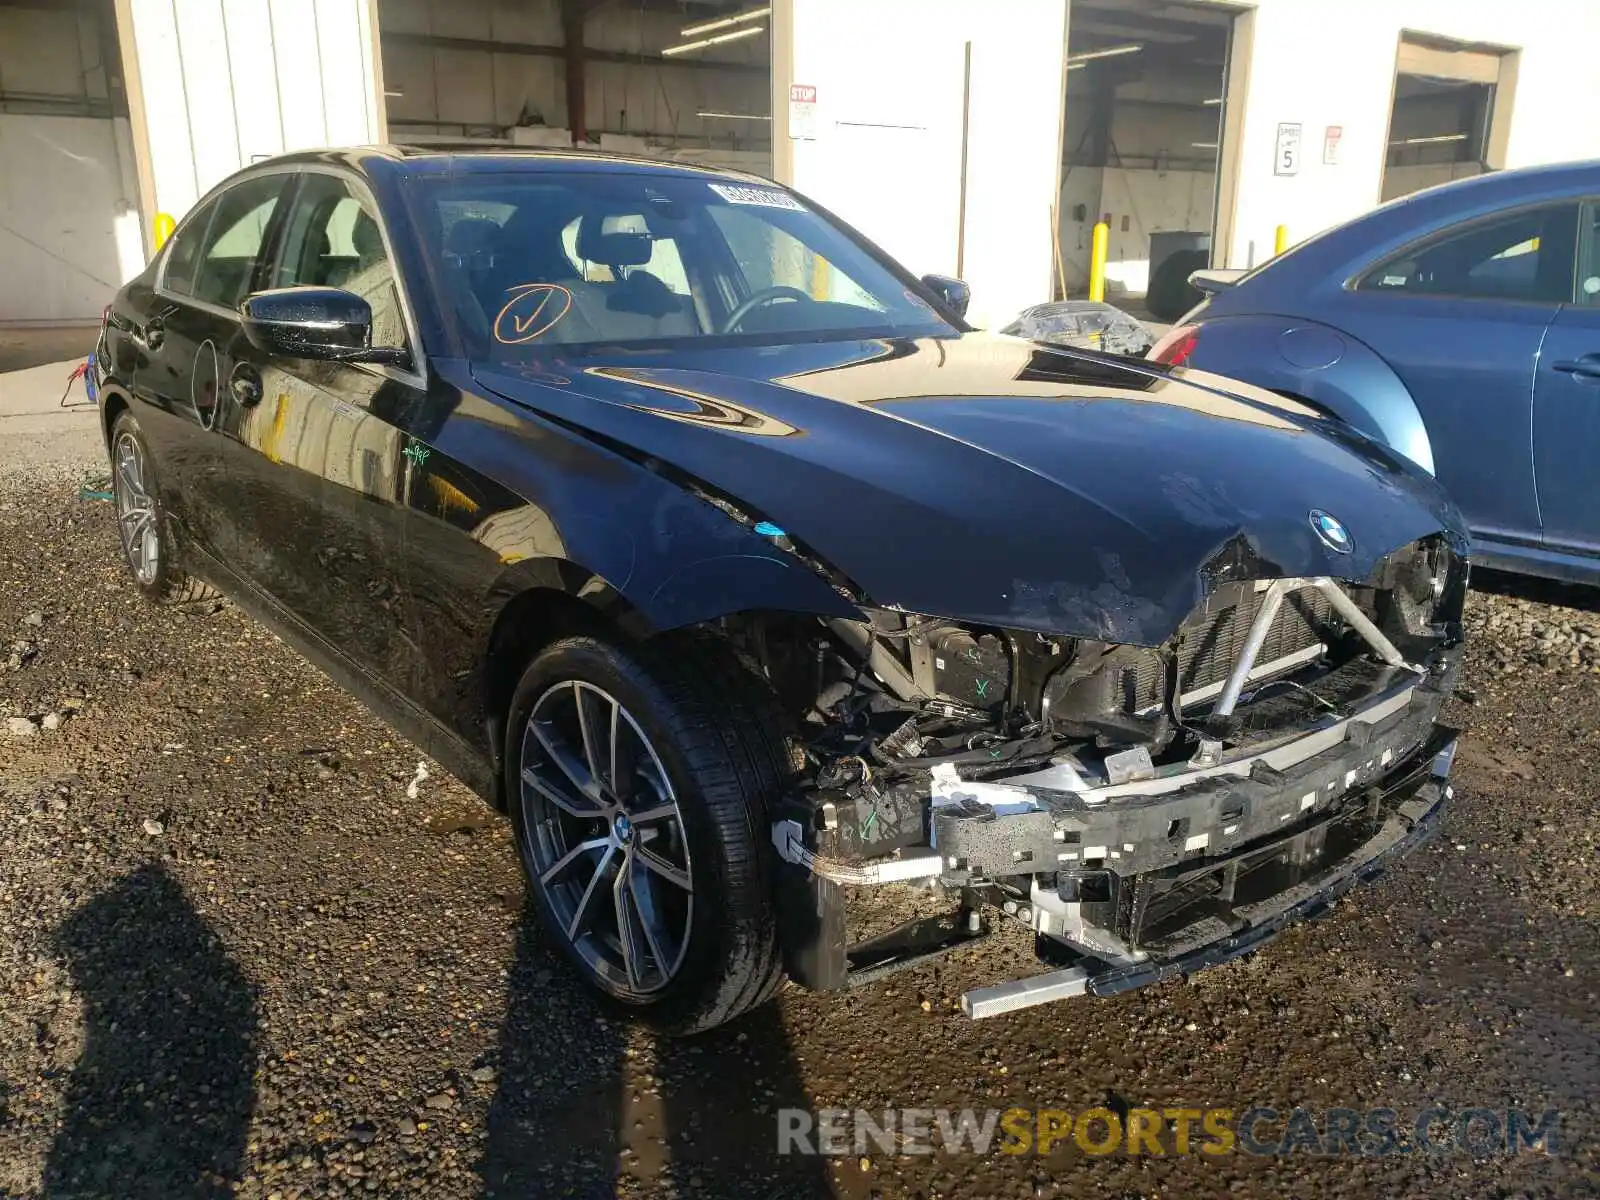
pixel 1097 261
pixel 1280 240
pixel 821 281
pixel 162 228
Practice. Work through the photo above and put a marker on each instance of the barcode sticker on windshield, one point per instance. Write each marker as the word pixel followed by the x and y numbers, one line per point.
pixel 764 197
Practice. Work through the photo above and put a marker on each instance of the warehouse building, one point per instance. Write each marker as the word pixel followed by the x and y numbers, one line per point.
pixel 978 139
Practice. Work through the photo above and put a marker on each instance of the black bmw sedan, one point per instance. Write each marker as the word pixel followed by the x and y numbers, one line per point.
pixel 721 553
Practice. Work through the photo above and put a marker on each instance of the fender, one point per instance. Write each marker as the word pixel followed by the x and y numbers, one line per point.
pixel 1319 364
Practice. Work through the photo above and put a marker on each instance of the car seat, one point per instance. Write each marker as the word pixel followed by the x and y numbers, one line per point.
pixel 635 303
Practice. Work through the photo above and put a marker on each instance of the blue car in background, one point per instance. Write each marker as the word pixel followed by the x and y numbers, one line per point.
pixel 1460 325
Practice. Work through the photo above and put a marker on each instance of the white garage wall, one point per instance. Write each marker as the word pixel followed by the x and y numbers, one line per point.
pixel 887 153
pixel 225 83
pixel 479 88
pixel 64 179
pixel 1312 66
pixel 61 187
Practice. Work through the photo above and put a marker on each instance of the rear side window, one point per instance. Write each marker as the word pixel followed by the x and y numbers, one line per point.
pixel 184 251
pixel 1523 256
pixel 237 238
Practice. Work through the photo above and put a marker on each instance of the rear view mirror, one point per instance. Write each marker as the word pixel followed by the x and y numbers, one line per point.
pixel 321 323
pixel 954 294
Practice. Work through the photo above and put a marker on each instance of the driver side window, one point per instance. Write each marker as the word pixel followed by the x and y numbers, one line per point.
pixel 334 240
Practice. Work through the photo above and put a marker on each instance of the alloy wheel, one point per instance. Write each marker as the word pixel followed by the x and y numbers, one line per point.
pixel 605 837
pixel 136 513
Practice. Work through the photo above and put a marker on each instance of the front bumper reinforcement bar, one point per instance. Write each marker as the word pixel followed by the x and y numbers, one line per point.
pixel 1421 790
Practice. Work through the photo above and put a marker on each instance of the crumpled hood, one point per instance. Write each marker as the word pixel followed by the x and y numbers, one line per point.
pixel 993 480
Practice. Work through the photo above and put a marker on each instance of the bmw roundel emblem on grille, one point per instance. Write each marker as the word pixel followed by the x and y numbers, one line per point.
pixel 1332 532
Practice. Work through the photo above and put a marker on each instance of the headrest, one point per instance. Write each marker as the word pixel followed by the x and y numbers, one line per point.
pixel 472 236
pixel 612 249
pixel 367 239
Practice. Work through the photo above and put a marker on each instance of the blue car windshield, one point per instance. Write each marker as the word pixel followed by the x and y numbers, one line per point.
pixel 524 262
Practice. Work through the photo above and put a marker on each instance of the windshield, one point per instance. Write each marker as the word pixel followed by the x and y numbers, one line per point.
pixel 537 260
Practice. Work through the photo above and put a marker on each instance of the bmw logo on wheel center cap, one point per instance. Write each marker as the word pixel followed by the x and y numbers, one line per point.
pixel 622 827
pixel 1332 532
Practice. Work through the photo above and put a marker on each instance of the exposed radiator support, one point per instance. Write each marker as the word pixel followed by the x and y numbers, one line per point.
pixel 1276 591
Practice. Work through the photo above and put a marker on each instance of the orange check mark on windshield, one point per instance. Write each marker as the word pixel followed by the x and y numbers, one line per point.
pixel 523 325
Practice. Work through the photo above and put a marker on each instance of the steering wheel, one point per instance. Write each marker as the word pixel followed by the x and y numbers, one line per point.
pixel 767 295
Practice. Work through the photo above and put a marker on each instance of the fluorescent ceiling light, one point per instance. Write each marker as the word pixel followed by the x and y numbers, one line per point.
pixel 393 92
pixel 1204 145
pixel 725 22
pixel 1213 100
pixel 1108 52
pixel 1428 141
pixel 713 41
pixel 736 116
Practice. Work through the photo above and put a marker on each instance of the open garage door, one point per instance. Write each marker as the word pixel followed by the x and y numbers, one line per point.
pixel 1146 95
pixel 69 217
pixel 1451 115
pixel 678 79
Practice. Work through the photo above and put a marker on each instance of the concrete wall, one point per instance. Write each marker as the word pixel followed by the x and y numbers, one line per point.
pixel 1402 181
pixel 887 152
pixel 1144 202
pixel 223 83
pixel 483 92
pixel 1324 64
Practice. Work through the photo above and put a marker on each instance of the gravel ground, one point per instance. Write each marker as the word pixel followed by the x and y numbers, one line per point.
pixel 254 945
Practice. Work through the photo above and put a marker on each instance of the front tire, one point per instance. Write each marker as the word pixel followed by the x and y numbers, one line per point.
pixel 142 524
pixel 639 781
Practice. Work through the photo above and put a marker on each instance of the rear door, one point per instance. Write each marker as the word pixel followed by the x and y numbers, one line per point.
pixel 1566 408
pixel 158 365
pixel 1460 317
pixel 189 331
pixel 325 444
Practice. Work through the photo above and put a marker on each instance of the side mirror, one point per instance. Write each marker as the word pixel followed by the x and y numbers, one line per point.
pixel 326 324
pixel 953 293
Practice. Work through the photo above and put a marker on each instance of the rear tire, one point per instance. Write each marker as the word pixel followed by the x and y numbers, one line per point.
pixel 673 725
pixel 145 532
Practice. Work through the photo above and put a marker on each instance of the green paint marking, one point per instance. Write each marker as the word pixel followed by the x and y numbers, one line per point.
pixel 417 453
pixel 983 688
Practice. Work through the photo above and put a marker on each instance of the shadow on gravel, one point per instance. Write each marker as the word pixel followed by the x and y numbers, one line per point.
pixel 1542 591
pixel 564 1121
pixel 159 1103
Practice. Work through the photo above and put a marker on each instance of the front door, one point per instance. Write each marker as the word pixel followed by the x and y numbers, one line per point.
pixel 1566 408
pixel 325 441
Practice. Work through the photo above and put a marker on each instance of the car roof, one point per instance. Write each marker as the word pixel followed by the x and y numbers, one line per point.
pixel 407 158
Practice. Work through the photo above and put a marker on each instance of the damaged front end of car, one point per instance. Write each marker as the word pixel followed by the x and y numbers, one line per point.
pixel 1144 810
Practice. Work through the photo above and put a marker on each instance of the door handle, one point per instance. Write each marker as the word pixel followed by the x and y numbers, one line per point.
pixel 1587 367
pixel 245 385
